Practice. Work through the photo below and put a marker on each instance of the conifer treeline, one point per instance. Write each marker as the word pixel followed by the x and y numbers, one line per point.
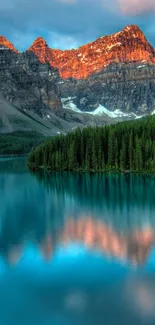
pixel 119 147
pixel 18 143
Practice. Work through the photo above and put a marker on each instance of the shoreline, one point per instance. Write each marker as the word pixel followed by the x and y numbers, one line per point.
pixel 142 173
pixel 14 156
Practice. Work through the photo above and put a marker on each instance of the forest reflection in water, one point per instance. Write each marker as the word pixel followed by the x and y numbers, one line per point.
pixel 121 200
pixel 111 214
pixel 71 244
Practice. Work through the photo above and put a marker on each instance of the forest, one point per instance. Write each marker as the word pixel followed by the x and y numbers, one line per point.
pixel 124 147
pixel 18 143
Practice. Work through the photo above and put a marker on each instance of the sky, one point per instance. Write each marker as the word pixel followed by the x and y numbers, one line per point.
pixel 67 24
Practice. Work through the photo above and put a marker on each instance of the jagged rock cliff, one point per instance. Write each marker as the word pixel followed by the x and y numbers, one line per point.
pixel 113 74
pixel 115 71
pixel 125 87
pixel 28 84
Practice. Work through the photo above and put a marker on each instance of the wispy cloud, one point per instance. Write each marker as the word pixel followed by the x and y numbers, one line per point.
pixel 71 23
pixel 136 7
pixel 62 41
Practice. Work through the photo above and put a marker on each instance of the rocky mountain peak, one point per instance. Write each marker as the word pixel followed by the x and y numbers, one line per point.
pixel 4 43
pixel 126 46
pixel 39 41
pixel 111 77
pixel 40 49
pixel 133 32
pixel 132 29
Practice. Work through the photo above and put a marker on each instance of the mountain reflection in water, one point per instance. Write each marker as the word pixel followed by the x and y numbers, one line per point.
pixel 76 249
pixel 87 232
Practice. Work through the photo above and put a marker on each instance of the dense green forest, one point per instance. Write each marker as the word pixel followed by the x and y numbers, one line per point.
pixel 120 147
pixel 18 143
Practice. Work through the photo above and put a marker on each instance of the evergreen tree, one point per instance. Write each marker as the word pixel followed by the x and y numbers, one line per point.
pixel 111 147
pixel 126 145
pixel 123 156
pixel 116 155
pixel 94 157
pixel 87 159
pixel 82 160
pixel 131 151
pixel 71 156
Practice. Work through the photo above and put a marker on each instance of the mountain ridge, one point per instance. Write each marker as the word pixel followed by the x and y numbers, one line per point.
pixel 7 44
pixel 112 78
pixel 127 46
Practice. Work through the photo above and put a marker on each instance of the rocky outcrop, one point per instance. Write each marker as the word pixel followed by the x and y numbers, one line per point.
pixel 28 84
pixel 126 87
pixel 5 44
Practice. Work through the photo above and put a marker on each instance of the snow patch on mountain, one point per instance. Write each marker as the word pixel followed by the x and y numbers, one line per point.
pixel 113 114
pixel 3 48
pixel 113 45
pixel 141 66
pixel 101 110
pixel 67 103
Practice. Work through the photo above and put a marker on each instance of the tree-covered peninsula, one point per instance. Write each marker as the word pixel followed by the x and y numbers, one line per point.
pixel 120 147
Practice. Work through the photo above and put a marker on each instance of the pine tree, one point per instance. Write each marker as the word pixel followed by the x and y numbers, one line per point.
pixel 131 151
pixel 87 164
pixel 123 156
pixel 103 162
pixel 82 152
pixel 71 156
pixel 116 153
pixel 111 149
pixel 94 157
pixel 126 145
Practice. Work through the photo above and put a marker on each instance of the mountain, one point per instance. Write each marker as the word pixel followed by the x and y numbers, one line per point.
pixel 108 80
pixel 12 119
pixel 5 44
pixel 129 45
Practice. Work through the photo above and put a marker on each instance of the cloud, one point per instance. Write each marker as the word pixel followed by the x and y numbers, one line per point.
pixel 71 23
pixel 62 41
pixel 136 7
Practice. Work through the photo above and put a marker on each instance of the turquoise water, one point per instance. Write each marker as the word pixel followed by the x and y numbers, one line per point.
pixel 76 248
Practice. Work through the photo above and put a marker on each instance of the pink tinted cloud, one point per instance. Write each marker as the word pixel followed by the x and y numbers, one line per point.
pixel 136 7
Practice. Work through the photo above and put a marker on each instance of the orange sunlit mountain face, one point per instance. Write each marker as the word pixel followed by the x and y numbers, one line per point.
pixel 4 42
pixel 129 45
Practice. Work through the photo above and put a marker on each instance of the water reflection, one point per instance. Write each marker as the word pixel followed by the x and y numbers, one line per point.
pixel 71 245
pixel 87 232
pixel 118 199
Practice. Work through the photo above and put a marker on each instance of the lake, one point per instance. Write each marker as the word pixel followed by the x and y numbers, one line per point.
pixel 76 248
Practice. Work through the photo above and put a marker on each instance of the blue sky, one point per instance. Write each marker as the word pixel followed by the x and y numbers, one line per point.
pixel 70 23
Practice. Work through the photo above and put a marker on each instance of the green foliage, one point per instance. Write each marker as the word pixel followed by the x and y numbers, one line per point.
pixel 120 147
pixel 18 143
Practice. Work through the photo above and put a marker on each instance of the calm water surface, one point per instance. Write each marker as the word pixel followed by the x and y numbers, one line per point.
pixel 76 249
